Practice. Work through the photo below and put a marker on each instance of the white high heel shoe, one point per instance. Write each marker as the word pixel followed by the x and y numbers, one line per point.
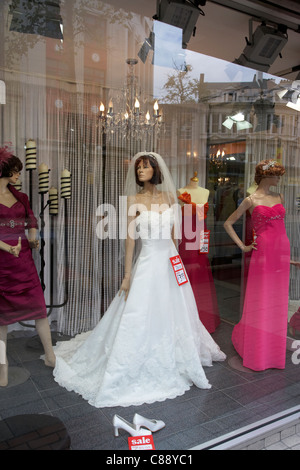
pixel 121 423
pixel 152 424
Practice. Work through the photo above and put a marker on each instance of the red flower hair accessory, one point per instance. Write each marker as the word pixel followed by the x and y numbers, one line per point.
pixel 5 156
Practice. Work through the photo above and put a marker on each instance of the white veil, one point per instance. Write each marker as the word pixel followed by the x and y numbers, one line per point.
pixel 167 186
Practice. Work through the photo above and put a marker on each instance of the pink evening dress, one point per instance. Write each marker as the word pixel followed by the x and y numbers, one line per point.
pixel 197 265
pixel 260 336
pixel 21 294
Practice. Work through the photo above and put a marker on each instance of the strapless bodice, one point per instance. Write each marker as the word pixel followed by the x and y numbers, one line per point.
pixel 151 225
pixel 263 216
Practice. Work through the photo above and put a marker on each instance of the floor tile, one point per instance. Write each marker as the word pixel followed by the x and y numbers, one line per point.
pixel 235 400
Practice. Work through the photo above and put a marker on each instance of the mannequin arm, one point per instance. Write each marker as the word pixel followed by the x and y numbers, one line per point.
pixel 232 219
pixel 14 250
pixel 129 249
pixel 295 263
pixel 32 238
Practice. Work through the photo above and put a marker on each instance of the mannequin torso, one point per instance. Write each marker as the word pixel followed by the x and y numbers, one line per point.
pixel 198 195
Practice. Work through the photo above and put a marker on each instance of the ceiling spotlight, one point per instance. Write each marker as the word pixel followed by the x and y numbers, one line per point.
pixel 36 17
pixel 239 120
pixel 180 13
pixel 291 95
pixel 243 125
pixel 263 47
pixel 228 123
pixel 295 106
pixel 147 46
pixel 238 117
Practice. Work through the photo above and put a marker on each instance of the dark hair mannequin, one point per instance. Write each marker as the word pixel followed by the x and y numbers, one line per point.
pixel 157 176
pixel 13 164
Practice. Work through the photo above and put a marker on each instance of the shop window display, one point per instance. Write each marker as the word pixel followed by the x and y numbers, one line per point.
pixel 53 92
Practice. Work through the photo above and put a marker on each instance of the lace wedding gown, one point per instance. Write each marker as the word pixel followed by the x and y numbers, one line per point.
pixel 148 348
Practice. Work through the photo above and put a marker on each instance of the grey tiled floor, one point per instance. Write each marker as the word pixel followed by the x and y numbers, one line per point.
pixel 235 400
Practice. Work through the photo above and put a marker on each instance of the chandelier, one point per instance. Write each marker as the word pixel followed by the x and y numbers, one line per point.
pixel 125 114
pixel 217 156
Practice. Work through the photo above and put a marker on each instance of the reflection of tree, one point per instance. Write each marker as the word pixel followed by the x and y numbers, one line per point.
pixel 181 88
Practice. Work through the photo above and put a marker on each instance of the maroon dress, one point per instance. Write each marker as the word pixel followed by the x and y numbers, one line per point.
pixel 197 266
pixel 21 294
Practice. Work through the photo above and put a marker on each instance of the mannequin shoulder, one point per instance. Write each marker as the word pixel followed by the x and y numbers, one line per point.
pixel 247 203
pixel 200 195
pixel 204 191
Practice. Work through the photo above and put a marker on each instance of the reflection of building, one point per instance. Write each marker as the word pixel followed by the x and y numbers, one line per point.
pixel 196 140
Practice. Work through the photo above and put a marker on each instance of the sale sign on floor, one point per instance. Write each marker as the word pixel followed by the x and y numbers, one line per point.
pixel 141 443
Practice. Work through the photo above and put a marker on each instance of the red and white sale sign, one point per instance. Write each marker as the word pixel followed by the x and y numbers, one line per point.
pixel 141 443
pixel 178 269
pixel 204 241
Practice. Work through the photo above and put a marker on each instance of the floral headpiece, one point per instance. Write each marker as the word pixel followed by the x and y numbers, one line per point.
pixel 269 165
pixel 5 155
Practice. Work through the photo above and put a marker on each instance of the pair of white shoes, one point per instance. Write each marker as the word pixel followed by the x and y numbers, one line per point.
pixel 135 428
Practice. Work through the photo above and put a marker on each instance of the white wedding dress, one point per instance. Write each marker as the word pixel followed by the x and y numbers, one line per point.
pixel 148 348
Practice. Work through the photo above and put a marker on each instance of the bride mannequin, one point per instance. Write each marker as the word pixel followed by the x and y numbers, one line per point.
pixel 197 264
pixel 260 336
pixel 148 176
pixel 150 344
pixel 21 295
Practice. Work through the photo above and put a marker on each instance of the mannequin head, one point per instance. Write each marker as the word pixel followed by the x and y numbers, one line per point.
pixel 268 169
pixel 147 161
pixel 9 163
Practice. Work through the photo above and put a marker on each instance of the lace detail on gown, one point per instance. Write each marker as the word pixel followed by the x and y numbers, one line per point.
pixel 148 348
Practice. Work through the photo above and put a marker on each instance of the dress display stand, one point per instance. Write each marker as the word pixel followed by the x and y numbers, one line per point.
pixel 197 264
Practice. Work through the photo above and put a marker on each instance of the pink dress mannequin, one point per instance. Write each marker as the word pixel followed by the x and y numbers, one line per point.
pixel 260 336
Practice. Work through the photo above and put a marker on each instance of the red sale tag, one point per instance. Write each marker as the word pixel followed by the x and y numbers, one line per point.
pixel 141 443
pixel 204 241
pixel 179 271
